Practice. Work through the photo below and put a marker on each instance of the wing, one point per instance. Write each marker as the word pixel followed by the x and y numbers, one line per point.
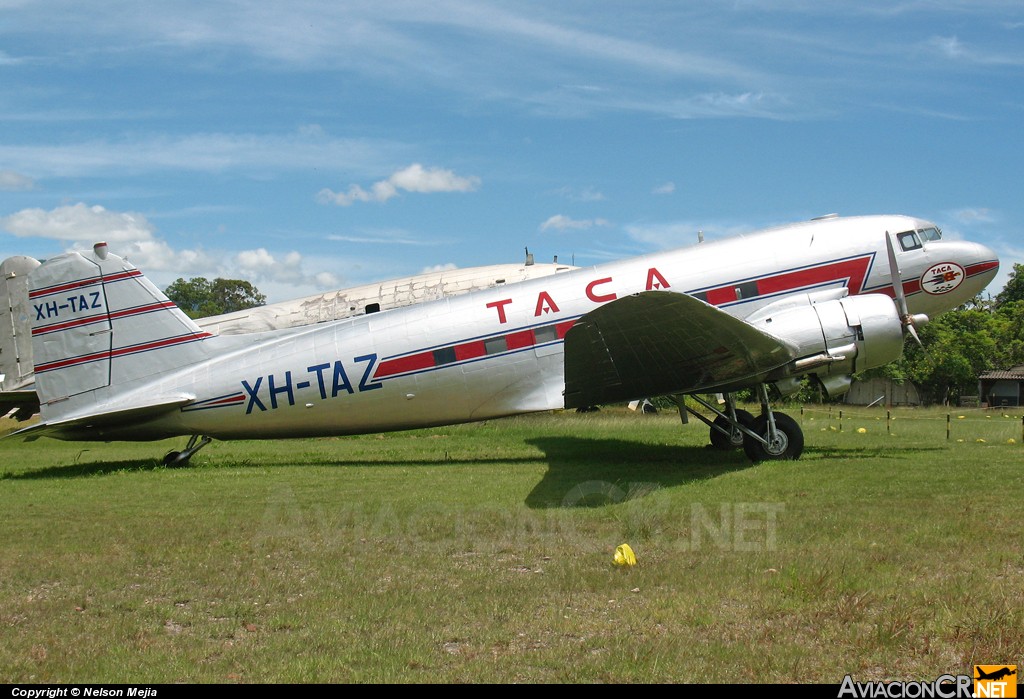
pixel 79 427
pixel 660 342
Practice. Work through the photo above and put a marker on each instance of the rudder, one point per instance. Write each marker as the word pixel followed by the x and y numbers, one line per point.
pixel 15 346
pixel 98 323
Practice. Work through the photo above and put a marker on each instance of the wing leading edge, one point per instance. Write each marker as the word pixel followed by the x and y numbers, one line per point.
pixel 661 342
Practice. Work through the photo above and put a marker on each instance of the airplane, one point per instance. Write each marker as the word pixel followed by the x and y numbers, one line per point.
pixel 116 360
pixel 995 675
pixel 17 393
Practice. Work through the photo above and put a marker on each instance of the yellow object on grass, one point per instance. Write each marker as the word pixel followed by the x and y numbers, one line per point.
pixel 624 556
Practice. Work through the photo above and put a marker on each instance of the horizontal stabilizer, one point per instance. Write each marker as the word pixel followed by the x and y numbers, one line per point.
pixel 659 342
pixel 79 427
pixel 25 401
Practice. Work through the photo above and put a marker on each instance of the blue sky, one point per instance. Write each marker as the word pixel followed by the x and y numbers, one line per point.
pixel 312 145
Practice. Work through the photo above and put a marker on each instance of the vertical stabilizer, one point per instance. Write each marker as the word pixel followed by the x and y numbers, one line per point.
pixel 98 323
pixel 15 323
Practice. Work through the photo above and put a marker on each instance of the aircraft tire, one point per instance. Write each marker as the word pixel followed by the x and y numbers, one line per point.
pixel 173 459
pixel 735 441
pixel 790 443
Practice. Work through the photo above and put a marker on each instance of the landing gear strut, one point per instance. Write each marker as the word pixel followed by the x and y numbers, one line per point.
pixel 173 459
pixel 769 436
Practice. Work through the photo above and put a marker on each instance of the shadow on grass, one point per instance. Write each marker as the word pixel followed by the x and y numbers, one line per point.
pixel 595 472
pixel 852 453
pixel 102 468
pixel 93 468
pixel 582 472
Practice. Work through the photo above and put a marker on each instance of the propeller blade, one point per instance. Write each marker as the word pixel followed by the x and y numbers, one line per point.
pixel 896 277
pixel 912 331
pixel 901 298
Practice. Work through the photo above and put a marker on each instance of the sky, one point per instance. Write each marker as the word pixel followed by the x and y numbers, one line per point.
pixel 308 146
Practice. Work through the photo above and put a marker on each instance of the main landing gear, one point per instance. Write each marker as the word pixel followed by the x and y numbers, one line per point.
pixel 769 436
pixel 173 459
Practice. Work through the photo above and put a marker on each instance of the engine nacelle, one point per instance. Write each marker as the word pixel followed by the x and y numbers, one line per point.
pixel 834 337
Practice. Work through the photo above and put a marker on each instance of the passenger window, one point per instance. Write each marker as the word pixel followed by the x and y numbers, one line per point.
pixel 445 355
pixel 495 345
pixel 909 241
pixel 546 333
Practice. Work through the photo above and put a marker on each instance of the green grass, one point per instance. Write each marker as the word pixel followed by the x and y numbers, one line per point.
pixel 483 553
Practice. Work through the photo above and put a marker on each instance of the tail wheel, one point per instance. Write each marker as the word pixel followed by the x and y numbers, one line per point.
pixel 176 459
pixel 788 443
pixel 735 438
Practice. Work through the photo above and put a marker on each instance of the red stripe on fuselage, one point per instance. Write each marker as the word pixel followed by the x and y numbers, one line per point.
pixel 424 360
pixel 853 271
pixel 81 283
pixel 120 352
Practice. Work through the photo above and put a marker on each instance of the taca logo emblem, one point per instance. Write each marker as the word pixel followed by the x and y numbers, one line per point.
pixel 942 278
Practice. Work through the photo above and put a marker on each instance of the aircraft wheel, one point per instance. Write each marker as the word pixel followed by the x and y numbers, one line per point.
pixel 788 444
pixel 735 438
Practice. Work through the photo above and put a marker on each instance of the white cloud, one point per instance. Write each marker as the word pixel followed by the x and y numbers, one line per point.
pixel 948 46
pixel 955 50
pixel 587 194
pixel 11 181
pixel 255 260
pixel 79 223
pixel 561 222
pixel 156 256
pixel 200 152
pixel 447 266
pixel 261 265
pixel 411 179
pixel 665 236
pixel 386 236
pixel 666 188
pixel 326 280
pixel 973 216
pixel 131 236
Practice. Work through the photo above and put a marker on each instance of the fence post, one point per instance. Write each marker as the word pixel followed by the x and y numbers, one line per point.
pixel 840 420
pixel 948 420
pixel 888 421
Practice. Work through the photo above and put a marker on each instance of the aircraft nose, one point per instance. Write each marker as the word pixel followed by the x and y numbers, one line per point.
pixel 980 263
pixel 987 261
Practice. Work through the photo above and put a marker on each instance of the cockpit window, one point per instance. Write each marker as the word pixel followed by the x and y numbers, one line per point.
pixel 930 234
pixel 909 240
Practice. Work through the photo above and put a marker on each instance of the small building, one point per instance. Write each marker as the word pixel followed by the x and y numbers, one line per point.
pixel 882 392
pixel 1001 388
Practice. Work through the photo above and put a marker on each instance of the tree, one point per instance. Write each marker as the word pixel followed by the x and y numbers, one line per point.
pixel 1014 289
pixel 958 346
pixel 199 297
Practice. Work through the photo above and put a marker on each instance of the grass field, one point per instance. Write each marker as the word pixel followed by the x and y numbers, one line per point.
pixel 483 553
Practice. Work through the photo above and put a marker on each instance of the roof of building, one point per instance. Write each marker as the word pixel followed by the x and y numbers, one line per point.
pixel 1014 374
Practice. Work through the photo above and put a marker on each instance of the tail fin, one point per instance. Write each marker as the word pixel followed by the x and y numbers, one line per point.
pixel 16 347
pixel 97 323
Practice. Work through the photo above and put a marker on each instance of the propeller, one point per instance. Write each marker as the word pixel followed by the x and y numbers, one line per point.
pixel 909 320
